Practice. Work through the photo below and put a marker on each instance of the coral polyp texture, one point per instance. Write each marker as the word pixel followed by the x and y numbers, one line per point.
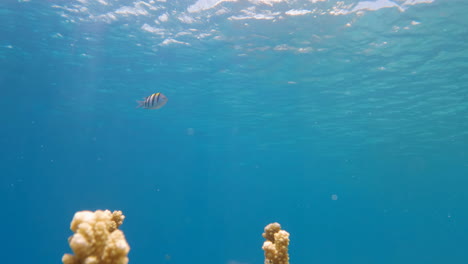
pixel 97 239
pixel 276 244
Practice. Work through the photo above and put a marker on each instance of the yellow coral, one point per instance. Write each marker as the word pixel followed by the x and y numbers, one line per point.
pixel 97 239
pixel 276 246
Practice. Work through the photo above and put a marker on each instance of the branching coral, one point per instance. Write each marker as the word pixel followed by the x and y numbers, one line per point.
pixel 97 239
pixel 276 244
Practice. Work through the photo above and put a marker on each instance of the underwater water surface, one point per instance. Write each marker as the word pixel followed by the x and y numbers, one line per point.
pixel 345 121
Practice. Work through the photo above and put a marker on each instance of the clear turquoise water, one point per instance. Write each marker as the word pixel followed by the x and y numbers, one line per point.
pixel 274 108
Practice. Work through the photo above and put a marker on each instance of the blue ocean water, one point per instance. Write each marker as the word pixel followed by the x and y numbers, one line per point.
pixel 345 121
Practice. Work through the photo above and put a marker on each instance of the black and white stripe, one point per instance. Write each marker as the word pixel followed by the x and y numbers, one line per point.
pixel 150 100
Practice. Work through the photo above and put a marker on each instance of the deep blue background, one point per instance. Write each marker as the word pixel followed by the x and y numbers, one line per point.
pixel 242 142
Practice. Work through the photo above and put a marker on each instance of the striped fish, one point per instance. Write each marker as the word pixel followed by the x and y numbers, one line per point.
pixel 154 101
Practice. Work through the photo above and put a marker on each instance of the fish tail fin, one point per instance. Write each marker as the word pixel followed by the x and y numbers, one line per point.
pixel 140 103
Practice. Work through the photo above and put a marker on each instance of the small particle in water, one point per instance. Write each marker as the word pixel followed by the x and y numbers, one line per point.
pixel 57 35
pixel 190 131
pixel 292 82
pixel 334 197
